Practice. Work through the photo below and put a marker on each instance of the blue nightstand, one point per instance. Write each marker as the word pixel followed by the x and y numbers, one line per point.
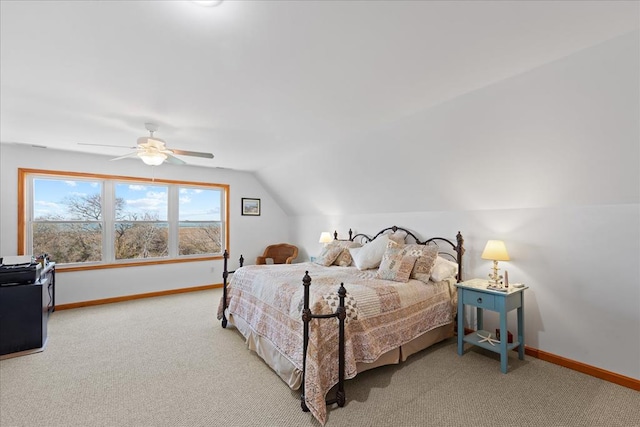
pixel 475 293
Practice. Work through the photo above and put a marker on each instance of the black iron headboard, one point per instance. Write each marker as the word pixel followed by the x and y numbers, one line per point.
pixel 456 248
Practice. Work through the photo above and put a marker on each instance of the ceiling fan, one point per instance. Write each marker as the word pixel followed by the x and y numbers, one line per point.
pixel 153 151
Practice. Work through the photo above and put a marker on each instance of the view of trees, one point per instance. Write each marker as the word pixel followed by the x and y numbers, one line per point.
pixel 67 242
pixel 77 235
pixel 199 238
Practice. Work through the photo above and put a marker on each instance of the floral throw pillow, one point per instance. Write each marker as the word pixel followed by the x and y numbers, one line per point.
pixel 395 265
pixel 344 258
pixel 328 255
pixel 425 259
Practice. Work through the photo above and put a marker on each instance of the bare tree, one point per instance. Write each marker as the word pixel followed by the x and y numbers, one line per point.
pixel 141 236
pixel 200 240
pixel 89 207
pixel 76 236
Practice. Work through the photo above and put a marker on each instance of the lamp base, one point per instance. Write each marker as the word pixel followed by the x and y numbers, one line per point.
pixel 494 278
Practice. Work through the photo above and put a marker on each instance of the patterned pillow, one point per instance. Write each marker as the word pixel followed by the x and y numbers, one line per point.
pixel 424 263
pixel 344 259
pixel 395 265
pixel 328 255
pixel 426 257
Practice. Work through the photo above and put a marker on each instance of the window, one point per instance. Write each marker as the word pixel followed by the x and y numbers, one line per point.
pixel 67 219
pixel 141 227
pixel 94 221
pixel 200 230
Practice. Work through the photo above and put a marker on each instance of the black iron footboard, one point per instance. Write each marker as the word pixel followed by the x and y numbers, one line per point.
pixel 225 275
pixel 341 314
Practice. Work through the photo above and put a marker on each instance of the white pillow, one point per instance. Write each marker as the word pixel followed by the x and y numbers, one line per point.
pixel 398 236
pixel 354 254
pixel 443 269
pixel 370 255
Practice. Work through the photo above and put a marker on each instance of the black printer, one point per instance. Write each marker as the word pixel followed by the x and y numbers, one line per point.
pixel 19 274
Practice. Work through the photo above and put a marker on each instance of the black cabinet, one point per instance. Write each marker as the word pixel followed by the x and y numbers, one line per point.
pixel 24 312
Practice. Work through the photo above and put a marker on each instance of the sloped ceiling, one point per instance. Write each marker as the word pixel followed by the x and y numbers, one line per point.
pixel 255 82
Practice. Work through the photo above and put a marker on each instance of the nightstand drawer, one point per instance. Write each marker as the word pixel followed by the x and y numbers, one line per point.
pixel 479 299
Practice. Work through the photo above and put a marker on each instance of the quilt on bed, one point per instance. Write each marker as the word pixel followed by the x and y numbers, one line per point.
pixel 381 316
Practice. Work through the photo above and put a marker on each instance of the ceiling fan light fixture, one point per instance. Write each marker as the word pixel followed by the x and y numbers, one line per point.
pixel 152 158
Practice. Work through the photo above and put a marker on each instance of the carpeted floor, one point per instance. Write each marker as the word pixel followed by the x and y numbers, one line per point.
pixel 167 362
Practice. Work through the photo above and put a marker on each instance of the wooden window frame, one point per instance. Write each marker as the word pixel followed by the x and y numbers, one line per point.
pixel 23 178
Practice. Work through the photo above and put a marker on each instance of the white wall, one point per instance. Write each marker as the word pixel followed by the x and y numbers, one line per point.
pixel 548 161
pixel 248 234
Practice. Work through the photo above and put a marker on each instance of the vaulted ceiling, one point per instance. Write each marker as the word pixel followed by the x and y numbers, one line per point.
pixel 251 81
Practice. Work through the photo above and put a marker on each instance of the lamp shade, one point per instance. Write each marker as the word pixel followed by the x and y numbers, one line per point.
pixel 496 251
pixel 152 158
pixel 325 237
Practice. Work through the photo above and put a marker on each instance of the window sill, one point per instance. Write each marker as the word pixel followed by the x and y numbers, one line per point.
pixel 61 268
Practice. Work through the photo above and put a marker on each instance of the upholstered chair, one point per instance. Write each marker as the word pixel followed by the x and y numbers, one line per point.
pixel 281 253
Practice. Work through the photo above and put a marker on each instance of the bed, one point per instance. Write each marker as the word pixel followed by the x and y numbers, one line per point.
pixel 319 323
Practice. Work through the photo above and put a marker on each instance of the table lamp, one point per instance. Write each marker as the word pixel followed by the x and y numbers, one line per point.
pixel 325 237
pixel 496 251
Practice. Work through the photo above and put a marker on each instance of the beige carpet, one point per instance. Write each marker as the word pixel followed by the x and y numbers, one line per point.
pixel 167 362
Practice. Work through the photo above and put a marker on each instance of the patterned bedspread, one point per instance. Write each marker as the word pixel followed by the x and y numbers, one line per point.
pixel 381 316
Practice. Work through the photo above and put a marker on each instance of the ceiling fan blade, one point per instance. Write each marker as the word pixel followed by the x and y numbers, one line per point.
pixel 192 153
pixel 107 145
pixel 134 154
pixel 174 160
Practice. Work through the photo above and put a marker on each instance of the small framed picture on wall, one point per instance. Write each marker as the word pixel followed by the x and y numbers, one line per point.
pixel 250 206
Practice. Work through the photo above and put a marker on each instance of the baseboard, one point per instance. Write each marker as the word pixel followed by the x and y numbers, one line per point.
pixel 603 374
pixel 612 377
pixel 134 297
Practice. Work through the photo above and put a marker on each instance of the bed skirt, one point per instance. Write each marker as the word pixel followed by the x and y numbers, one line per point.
pixel 293 376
